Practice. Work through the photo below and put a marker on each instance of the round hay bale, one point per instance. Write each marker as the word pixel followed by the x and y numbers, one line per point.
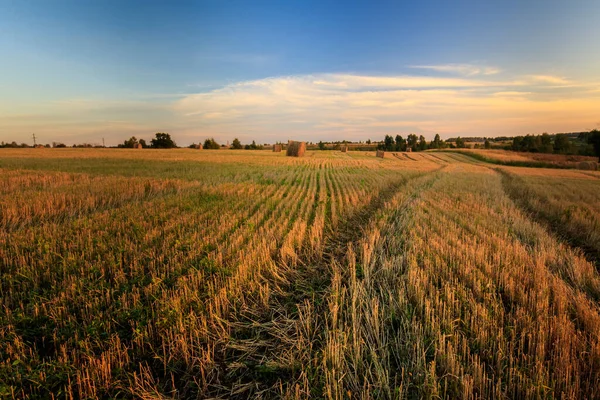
pixel 295 149
pixel 588 165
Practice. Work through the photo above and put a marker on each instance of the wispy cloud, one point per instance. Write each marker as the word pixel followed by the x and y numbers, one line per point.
pixel 511 94
pixel 460 69
pixel 555 80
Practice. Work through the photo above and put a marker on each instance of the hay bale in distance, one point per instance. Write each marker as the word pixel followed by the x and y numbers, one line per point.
pixel 409 149
pixel 588 165
pixel 198 146
pixel 380 153
pixel 295 149
pixel 277 148
pixel 344 149
pixel 138 146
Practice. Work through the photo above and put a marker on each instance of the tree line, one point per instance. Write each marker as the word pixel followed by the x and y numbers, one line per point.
pixel 417 143
pixel 585 143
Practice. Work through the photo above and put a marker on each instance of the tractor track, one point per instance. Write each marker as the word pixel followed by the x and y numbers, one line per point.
pixel 251 362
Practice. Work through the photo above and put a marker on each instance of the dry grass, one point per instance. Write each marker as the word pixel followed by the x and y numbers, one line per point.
pixel 231 274
pixel 504 156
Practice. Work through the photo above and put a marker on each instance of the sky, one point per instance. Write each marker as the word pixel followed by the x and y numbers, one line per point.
pixel 84 71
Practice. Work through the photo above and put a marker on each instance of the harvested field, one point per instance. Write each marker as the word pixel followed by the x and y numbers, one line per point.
pixel 532 159
pixel 228 274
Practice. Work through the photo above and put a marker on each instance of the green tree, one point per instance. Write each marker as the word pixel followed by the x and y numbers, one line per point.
pixel 460 143
pixel 487 144
pixel 517 143
pixel 422 143
pixel 562 144
pixel 143 143
pixel 411 141
pixel 436 143
pixel 531 143
pixel 546 143
pixel 321 145
pixel 129 143
pixel 400 143
pixel 236 144
pixel 162 141
pixel 594 139
pixel 389 143
pixel 211 144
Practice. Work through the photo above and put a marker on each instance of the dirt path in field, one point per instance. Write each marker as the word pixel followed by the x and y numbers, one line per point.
pixel 272 350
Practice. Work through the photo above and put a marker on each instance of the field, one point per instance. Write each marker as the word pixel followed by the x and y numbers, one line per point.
pixel 237 274
pixel 515 158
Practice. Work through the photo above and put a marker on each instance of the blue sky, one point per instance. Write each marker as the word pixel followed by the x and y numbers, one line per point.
pixel 78 71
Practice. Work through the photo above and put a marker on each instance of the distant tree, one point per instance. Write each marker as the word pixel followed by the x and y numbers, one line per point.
pixel 400 143
pixel 388 143
pixel 517 143
pixel 368 141
pixel 321 145
pixel 143 143
pixel 57 144
pixel 487 144
pixel 83 145
pixel 546 143
pixel 162 141
pixel 562 144
pixel 411 141
pixel 129 143
pixel 436 143
pixel 211 144
pixel 236 144
pixel 531 143
pixel 594 139
pixel 460 143
pixel 422 143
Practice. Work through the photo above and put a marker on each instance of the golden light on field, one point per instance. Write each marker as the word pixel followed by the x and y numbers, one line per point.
pixel 249 272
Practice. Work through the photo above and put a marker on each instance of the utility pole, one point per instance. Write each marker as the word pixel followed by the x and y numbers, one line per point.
pixel 34 143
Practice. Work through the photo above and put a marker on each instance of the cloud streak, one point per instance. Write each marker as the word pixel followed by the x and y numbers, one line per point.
pixel 460 69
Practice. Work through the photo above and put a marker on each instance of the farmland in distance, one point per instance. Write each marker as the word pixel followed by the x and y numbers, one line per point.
pixel 249 274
